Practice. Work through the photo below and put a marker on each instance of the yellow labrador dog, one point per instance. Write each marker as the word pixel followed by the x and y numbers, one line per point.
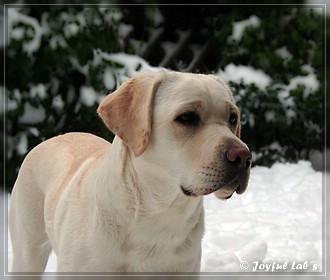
pixel 135 205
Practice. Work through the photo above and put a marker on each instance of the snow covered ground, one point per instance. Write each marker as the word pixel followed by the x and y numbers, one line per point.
pixel 275 225
pixel 278 219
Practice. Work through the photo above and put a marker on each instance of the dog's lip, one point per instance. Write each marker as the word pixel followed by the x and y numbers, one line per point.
pixel 187 192
pixel 190 193
pixel 239 189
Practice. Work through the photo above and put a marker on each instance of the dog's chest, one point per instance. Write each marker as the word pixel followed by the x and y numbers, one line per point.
pixel 160 243
pixel 164 243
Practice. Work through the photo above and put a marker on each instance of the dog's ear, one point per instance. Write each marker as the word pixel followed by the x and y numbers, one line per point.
pixel 127 112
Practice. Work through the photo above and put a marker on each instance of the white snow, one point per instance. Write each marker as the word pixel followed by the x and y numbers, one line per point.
pixel 57 41
pixel 240 26
pixel 109 79
pixel 249 75
pixel 15 17
pixel 131 64
pixel 22 144
pixel 277 220
pixel 270 116
pixel 110 15
pixel 310 82
pixel 12 104
pixel 124 30
pixel 82 69
pixel 158 17
pixel 32 115
pixel 71 29
pixel 38 90
pixel 58 103
pixel 17 33
pixel 88 96
pixel 284 53
pixel 246 74
pixel 34 131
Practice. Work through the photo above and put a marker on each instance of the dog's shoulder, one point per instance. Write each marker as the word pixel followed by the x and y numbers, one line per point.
pixel 73 143
pixel 65 151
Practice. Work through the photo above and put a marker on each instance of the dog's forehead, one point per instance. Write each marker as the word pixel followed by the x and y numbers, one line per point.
pixel 188 88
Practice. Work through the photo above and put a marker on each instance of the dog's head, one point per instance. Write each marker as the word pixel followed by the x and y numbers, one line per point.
pixel 187 124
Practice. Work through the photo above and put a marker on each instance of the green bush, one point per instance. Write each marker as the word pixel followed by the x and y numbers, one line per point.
pixel 61 61
pixel 288 114
pixel 57 72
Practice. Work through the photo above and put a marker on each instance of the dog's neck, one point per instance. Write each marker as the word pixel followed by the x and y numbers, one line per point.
pixel 145 187
pixel 147 203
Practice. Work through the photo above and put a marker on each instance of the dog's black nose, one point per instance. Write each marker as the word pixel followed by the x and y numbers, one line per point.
pixel 240 157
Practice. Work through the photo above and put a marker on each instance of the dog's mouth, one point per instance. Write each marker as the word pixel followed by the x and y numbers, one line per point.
pixel 229 190
pixel 188 192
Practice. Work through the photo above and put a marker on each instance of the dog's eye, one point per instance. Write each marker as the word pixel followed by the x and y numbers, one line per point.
pixel 189 118
pixel 233 119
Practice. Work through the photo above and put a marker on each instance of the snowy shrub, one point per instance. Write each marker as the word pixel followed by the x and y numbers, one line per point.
pixel 62 60
pixel 280 91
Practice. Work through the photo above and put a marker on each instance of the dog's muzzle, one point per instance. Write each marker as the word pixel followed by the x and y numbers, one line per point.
pixel 232 177
pixel 238 161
